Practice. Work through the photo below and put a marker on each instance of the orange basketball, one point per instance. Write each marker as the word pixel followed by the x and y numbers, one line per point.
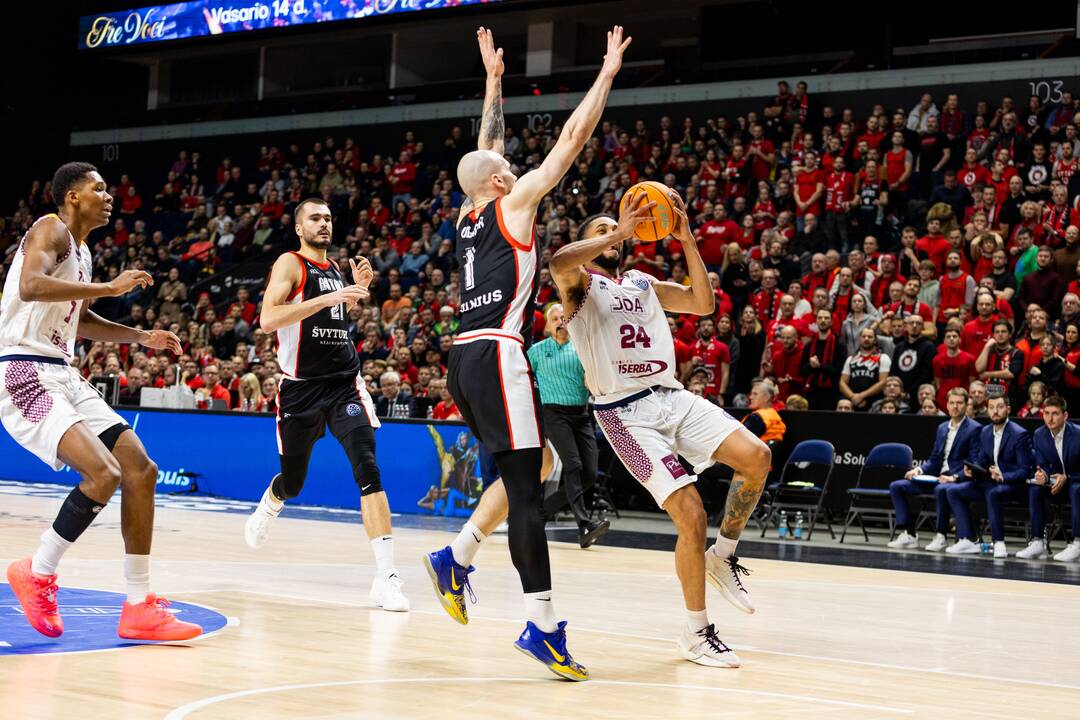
pixel 663 214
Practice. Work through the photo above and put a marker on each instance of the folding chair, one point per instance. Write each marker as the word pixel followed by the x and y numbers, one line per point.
pixel 870 496
pixel 810 499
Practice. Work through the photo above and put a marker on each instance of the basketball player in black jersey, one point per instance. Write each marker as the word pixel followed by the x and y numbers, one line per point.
pixel 489 375
pixel 307 302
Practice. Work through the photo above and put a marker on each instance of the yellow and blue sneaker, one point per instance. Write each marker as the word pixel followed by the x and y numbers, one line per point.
pixel 550 649
pixel 450 581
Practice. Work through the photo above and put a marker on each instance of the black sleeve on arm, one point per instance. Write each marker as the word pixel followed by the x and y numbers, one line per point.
pixel 754 424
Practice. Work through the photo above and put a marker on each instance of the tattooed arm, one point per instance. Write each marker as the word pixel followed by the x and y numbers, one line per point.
pixel 492 125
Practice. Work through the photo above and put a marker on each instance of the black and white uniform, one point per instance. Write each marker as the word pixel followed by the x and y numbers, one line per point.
pixel 489 375
pixel 322 384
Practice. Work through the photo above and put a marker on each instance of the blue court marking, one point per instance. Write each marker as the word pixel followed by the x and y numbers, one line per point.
pixel 90 619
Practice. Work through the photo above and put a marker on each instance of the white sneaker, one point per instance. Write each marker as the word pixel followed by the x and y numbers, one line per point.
pixel 903 541
pixel 963 547
pixel 386 593
pixel 1071 553
pixel 704 648
pixel 1036 550
pixel 723 574
pixel 258 523
pixel 937 544
pixel 1000 551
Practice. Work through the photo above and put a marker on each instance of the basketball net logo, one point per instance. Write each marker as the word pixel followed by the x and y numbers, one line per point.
pixel 470 273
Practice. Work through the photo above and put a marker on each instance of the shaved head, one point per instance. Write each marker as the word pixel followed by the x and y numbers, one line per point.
pixel 483 174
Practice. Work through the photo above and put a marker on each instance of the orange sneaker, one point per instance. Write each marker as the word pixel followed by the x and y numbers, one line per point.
pixel 150 620
pixel 37 596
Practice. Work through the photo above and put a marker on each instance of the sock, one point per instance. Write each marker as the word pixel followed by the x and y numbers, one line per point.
pixel 724 547
pixel 137 575
pixel 697 620
pixel 48 554
pixel 383 547
pixel 272 501
pixel 466 544
pixel 541 611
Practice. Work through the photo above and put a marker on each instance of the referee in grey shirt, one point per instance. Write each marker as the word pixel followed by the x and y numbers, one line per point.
pixel 567 422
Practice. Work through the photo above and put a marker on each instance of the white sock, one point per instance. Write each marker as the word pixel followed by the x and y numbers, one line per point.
pixel 137 575
pixel 724 547
pixel 383 547
pixel 466 544
pixel 541 611
pixel 697 620
pixel 49 552
pixel 272 502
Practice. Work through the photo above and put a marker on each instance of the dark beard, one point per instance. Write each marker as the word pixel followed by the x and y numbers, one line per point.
pixel 609 263
pixel 319 242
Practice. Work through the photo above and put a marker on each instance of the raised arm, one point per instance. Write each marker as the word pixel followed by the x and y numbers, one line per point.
pixel 699 298
pixel 579 127
pixel 46 242
pixel 492 125
pixel 285 277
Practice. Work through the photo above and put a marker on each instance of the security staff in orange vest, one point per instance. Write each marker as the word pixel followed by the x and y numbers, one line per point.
pixel 764 421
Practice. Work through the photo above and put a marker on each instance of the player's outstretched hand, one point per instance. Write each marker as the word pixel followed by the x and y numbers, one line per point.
pixel 362 273
pixel 493 59
pixel 637 212
pixel 616 46
pixel 163 340
pixel 128 280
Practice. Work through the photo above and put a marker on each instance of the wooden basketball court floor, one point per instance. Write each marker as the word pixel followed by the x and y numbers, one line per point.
pixel 826 641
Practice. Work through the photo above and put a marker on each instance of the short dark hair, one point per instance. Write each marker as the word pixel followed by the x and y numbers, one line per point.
pixel 1056 401
pixel 304 203
pixel 67 177
pixel 1002 322
pixel 588 221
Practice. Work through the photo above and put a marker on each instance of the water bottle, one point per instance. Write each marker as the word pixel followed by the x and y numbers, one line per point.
pixel 985 548
pixel 782 528
pixel 798 525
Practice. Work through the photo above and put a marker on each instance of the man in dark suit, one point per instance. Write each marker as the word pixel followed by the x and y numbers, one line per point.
pixel 957 440
pixel 1005 452
pixel 1057 461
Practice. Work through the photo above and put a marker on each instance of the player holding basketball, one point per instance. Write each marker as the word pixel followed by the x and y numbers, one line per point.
pixel 307 302
pixel 618 326
pixel 49 409
pixel 489 374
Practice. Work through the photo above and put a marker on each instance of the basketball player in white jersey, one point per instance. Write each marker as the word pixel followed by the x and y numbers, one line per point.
pixel 618 326
pixel 47 406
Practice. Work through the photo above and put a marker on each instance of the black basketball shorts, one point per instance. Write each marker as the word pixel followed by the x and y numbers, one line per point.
pixel 306 407
pixel 492 382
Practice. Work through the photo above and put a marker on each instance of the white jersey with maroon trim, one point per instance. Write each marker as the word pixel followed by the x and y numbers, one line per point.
pixel 621 334
pixel 43 328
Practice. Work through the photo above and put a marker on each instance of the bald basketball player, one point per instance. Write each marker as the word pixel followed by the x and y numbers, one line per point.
pixel 489 375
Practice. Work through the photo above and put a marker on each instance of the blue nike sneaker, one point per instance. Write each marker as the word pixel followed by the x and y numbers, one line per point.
pixel 450 581
pixel 550 649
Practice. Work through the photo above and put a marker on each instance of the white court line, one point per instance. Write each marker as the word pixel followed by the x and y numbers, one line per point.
pixel 618 634
pixel 183 711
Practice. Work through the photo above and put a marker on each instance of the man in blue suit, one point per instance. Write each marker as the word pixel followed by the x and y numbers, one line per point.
pixel 956 442
pixel 1005 452
pixel 1057 460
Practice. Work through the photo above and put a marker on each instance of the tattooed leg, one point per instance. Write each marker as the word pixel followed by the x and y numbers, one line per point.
pixel 750 459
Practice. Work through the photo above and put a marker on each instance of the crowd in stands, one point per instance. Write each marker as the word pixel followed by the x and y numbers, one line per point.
pixel 865 261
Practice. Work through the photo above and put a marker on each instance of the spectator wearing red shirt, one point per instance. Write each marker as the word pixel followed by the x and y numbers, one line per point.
pixel 243 301
pixel 910 304
pixel 402 178
pixel 955 288
pixel 212 389
pixel 841 292
pixel 972 173
pixel 887 275
pixel 644 258
pixel 786 318
pixel 783 362
pixel 1000 365
pixel 899 163
pixel 1057 218
pixel 761 153
pixel 873 136
pixel 714 356
pixel 809 188
pixel 445 408
pixel 715 234
pixel 819 275
pixel 953 367
pixel 766 301
pixel 378 213
pixel 839 193
pixel 978 330
pixel 934 244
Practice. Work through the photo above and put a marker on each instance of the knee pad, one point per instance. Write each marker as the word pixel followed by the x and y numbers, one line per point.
pixel 359 446
pixel 367 478
pixel 290 481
